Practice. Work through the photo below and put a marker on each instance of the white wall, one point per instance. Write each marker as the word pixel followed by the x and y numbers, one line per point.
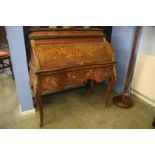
pixel 147 41
pixel 143 83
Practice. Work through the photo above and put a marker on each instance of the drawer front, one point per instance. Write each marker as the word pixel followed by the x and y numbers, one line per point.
pixel 53 81
pixel 79 76
pixel 101 74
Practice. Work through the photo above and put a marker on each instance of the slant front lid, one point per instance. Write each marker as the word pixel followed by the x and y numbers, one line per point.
pixel 54 49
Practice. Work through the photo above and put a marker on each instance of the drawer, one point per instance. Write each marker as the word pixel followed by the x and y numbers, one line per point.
pixel 101 74
pixel 79 76
pixel 53 81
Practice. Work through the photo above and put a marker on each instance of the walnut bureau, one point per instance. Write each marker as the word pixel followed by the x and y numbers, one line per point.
pixel 63 57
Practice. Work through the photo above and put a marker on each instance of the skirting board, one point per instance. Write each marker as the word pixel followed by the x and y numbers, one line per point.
pixel 27 112
pixel 143 97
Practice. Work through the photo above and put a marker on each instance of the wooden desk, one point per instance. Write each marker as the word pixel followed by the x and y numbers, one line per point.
pixel 64 57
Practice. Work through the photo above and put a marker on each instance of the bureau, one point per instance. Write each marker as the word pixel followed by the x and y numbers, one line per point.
pixel 63 57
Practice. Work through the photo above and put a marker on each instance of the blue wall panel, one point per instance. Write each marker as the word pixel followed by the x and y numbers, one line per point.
pixel 122 40
pixel 18 56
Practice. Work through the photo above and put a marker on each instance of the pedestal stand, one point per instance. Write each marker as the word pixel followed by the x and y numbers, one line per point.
pixel 124 100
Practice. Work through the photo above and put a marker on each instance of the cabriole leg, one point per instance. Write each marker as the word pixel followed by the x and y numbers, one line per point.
pixel 109 88
pixel 37 92
pixel 39 105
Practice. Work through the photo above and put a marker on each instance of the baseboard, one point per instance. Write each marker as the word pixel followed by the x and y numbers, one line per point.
pixel 27 112
pixel 143 97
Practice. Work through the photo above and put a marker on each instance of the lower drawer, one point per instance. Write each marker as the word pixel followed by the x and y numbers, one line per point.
pixel 55 81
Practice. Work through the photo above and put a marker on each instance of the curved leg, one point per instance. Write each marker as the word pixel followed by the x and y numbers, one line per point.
pixel 109 88
pixel 39 104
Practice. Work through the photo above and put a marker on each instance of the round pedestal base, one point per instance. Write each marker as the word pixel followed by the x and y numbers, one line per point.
pixel 123 101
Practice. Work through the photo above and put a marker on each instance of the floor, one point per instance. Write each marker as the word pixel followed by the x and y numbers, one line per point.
pixel 72 109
